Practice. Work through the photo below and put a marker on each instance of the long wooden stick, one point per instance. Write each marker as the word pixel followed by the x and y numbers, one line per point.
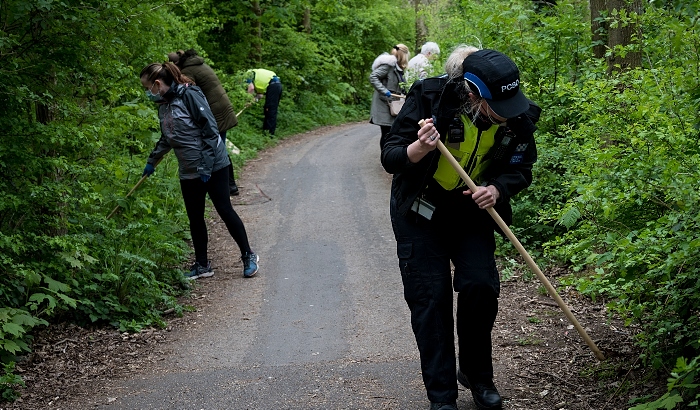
pixel 143 178
pixel 530 262
pixel 116 208
pixel 244 107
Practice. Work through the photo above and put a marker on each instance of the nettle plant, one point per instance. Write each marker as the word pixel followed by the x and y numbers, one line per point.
pixel 631 211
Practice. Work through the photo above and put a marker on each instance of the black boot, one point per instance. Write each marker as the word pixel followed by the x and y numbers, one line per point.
pixel 485 394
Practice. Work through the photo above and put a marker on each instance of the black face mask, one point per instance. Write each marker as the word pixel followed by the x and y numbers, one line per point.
pixel 481 123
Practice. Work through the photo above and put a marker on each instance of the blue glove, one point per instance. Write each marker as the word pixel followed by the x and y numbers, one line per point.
pixel 388 94
pixel 204 177
pixel 150 169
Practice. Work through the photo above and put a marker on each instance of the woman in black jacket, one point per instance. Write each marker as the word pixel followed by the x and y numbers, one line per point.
pixel 188 127
pixel 479 112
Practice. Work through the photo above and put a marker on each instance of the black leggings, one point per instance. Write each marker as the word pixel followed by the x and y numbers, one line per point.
pixel 194 192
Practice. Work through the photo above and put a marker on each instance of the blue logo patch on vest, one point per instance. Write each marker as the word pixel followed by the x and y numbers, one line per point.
pixel 521 147
pixel 516 159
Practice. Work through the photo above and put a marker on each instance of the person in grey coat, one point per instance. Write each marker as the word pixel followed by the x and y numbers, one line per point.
pixel 189 128
pixel 386 78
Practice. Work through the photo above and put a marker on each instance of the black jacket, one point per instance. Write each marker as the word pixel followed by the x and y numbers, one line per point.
pixel 510 169
pixel 188 127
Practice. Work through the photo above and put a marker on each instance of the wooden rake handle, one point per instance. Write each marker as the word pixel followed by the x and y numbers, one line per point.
pixel 530 262
pixel 138 184
pixel 243 109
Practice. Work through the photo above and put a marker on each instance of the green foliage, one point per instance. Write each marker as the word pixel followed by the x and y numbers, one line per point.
pixel 10 382
pixel 682 388
pixel 332 58
pixel 75 131
pixel 631 207
pixel 15 325
pixel 615 192
pixel 614 197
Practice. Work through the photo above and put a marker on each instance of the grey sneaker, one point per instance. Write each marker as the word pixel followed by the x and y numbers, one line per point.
pixel 199 271
pixel 250 264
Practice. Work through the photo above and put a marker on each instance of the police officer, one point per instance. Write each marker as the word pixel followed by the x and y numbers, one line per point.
pixel 265 82
pixel 478 110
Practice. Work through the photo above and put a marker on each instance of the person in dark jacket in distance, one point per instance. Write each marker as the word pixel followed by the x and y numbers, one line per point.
pixel 478 110
pixel 194 67
pixel 386 77
pixel 188 127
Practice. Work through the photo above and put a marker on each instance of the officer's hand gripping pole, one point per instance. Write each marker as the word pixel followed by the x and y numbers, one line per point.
pixel 143 178
pixel 530 262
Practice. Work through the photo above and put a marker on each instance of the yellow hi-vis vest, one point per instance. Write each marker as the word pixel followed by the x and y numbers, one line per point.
pixel 261 79
pixel 470 155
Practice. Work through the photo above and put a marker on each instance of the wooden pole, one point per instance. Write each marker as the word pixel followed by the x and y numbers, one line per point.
pixel 143 178
pixel 530 262
pixel 244 107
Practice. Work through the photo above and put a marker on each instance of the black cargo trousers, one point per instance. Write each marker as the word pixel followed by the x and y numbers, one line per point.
pixel 460 233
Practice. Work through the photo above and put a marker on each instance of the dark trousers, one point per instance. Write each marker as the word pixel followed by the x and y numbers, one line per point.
pixel 231 177
pixel 272 101
pixel 425 249
pixel 194 192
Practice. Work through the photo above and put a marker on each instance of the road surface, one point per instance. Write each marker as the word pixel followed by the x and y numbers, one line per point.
pixel 324 324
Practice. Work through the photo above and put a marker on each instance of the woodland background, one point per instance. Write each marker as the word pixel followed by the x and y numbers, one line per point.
pixel 615 198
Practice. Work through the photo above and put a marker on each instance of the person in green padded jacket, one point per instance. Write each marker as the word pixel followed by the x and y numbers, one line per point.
pixel 194 67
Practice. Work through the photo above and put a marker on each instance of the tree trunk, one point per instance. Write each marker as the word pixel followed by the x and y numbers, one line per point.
pixel 256 31
pixel 307 20
pixel 43 113
pixel 421 29
pixel 598 28
pixel 622 35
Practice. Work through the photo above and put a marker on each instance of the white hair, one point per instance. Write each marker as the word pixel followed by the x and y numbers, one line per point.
pixel 431 48
pixel 455 72
pixel 453 65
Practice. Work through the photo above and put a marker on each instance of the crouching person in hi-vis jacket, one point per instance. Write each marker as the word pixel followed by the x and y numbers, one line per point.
pixel 478 110
pixel 263 82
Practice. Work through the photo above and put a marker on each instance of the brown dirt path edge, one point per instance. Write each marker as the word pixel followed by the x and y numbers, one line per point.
pixel 547 364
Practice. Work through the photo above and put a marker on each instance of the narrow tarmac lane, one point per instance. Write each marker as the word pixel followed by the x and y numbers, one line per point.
pixel 324 324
